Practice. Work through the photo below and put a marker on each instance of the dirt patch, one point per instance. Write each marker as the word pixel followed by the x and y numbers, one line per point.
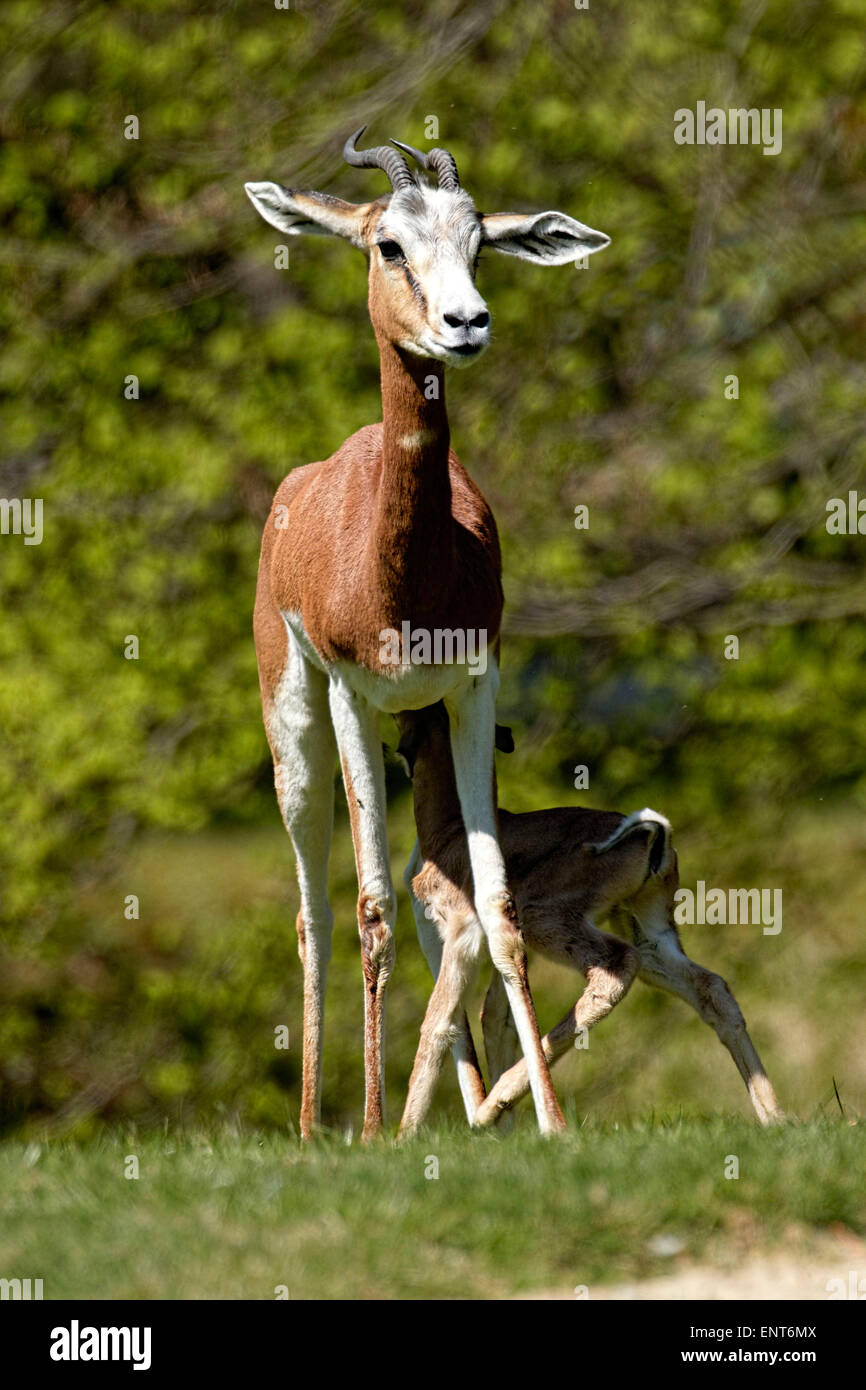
pixel 836 1265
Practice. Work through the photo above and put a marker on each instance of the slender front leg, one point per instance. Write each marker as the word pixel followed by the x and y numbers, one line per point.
pixel 469 1075
pixel 473 724
pixel 298 724
pixel 356 725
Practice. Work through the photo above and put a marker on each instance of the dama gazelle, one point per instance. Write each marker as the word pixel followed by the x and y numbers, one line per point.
pixel 391 529
pixel 567 869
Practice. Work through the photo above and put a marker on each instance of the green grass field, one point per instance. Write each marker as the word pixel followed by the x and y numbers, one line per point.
pixel 227 1205
pixel 238 1215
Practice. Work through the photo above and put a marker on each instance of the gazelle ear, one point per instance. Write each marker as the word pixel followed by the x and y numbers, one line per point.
pixel 297 213
pixel 544 238
pixel 504 739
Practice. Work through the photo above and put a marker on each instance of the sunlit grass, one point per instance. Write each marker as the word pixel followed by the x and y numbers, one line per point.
pixel 237 1215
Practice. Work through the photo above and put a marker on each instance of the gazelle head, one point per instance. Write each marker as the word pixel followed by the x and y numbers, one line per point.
pixel 423 244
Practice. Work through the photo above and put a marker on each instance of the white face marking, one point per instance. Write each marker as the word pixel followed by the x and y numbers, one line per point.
pixel 439 235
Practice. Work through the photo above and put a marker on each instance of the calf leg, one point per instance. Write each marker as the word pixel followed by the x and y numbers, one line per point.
pixel 500 1038
pixel 497 1026
pixel 472 738
pixel 469 1075
pixel 609 965
pixel 665 964
pixel 443 1028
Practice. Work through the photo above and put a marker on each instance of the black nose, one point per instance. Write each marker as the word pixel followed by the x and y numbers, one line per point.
pixel 479 321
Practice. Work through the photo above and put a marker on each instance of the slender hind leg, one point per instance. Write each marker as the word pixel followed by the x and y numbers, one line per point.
pixel 665 964
pixel 356 725
pixel 609 966
pixel 298 725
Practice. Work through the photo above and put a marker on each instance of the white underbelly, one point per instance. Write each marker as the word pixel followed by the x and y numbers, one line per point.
pixel 410 686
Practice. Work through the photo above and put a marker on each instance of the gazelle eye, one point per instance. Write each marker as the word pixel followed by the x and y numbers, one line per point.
pixel 391 251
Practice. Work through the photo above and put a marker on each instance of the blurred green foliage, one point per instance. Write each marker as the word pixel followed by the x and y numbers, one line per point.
pixel 604 386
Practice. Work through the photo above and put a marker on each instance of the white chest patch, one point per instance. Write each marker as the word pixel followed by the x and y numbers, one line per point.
pixel 416 440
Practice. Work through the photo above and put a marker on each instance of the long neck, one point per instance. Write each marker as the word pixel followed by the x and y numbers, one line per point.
pixel 413 528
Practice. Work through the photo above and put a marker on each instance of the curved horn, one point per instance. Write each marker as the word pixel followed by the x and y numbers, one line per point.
pixel 379 157
pixel 440 161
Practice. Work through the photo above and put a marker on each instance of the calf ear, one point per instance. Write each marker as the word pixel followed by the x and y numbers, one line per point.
pixel 407 751
pixel 504 739
pixel 297 213
pixel 544 238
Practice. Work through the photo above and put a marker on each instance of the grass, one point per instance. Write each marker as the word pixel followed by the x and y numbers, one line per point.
pixel 236 1211
pixel 235 1215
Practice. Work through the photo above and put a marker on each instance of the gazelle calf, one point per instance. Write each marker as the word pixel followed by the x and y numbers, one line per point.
pixel 568 868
